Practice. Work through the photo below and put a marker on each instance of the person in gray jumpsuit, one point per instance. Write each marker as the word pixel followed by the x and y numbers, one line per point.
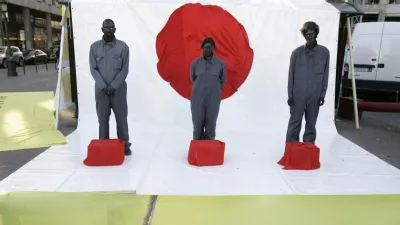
pixel 109 66
pixel 208 76
pixel 307 84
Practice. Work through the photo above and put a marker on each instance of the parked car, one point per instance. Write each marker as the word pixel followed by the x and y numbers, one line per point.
pixel 52 54
pixel 35 54
pixel 17 56
pixel 376 52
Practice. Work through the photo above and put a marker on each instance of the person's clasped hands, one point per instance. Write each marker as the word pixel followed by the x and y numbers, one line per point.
pixel 109 90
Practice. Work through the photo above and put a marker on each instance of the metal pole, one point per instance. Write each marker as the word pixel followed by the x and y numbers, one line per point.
pixel 1 28
pixel 362 8
pixel 382 9
pixel 59 71
pixel 8 35
pixel 11 65
pixel 353 77
pixel 35 63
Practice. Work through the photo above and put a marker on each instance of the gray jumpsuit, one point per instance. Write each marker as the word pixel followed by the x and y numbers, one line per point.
pixel 109 65
pixel 208 78
pixel 307 83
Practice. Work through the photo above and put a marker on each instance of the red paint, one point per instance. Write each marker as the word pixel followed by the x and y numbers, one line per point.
pixel 179 43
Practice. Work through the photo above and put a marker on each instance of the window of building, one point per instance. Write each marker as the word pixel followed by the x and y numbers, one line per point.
pixel 19 18
pixel 40 22
pixel 55 24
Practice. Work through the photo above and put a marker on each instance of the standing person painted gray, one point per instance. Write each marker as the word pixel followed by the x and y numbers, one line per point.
pixel 307 84
pixel 109 66
pixel 208 75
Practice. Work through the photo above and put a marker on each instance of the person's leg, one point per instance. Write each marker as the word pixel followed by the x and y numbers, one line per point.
pixel 198 116
pixel 311 115
pixel 103 109
pixel 212 111
pixel 295 121
pixel 120 108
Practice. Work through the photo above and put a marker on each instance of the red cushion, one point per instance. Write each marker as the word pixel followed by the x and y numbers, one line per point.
pixel 300 156
pixel 108 152
pixel 206 153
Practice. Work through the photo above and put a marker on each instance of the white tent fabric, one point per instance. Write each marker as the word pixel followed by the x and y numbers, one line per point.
pixel 252 122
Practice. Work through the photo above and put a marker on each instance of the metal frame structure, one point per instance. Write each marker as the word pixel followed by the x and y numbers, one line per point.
pixel 349 16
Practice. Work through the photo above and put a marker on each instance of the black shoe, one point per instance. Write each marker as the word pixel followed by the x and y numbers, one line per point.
pixel 128 151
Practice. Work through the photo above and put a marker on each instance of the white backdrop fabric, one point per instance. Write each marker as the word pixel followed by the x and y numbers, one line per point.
pixel 252 122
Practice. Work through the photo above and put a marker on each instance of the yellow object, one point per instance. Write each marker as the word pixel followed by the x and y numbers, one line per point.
pixel 66 82
pixel 279 210
pixel 38 208
pixel 27 121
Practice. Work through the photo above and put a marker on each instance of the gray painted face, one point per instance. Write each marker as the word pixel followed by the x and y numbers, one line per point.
pixel 108 30
pixel 208 50
pixel 311 37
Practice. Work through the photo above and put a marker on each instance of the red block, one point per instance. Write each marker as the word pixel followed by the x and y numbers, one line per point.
pixel 108 152
pixel 206 153
pixel 300 156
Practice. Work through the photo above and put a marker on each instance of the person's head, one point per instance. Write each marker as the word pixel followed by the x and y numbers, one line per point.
pixel 108 29
pixel 310 32
pixel 208 46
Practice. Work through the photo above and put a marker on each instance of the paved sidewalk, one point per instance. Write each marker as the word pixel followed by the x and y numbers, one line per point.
pixel 379 134
pixel 43 80
pixel 391 120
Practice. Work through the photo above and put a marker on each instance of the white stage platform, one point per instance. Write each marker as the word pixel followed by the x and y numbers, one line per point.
pixel 249 170
pixel 252 122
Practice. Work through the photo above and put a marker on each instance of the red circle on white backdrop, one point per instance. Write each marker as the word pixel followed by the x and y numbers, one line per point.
pixel 179 43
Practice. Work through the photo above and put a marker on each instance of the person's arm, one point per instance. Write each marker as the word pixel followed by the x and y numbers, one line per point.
pixel 121 77
pixel 223 74
pixel 326 75
pixel 192 71
pixel 94 70
pixel 292 65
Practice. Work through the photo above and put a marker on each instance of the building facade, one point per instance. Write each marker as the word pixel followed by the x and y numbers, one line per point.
pixel 31 24
pixel 377 10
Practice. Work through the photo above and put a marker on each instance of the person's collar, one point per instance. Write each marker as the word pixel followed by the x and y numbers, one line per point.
pixel 212 60
pixel 307 49
pixel 112 43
